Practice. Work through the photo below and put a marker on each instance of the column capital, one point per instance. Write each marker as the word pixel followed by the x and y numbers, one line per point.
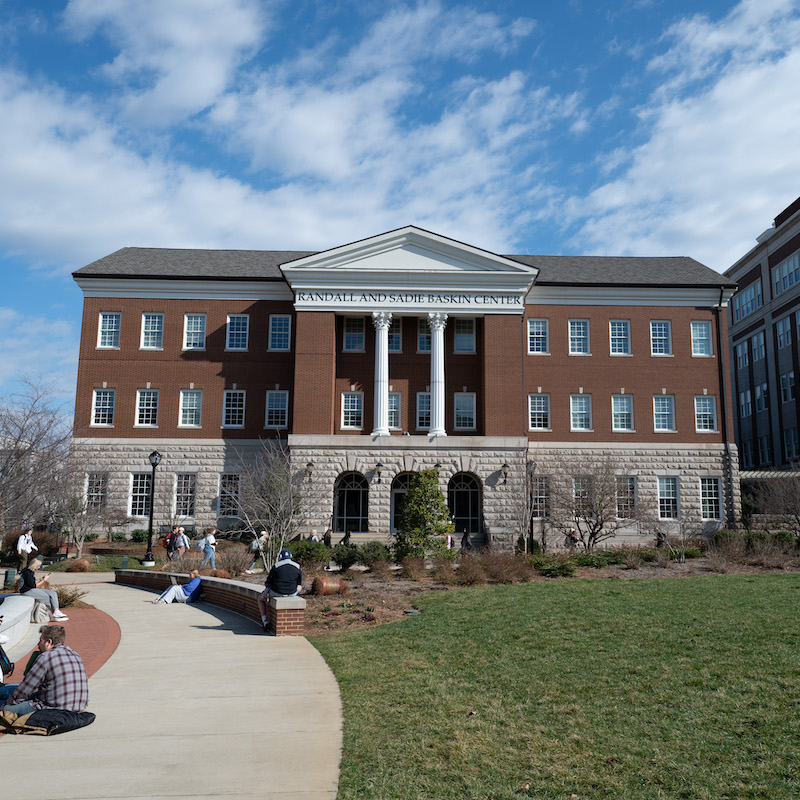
pixel 437 320
pixel 381 319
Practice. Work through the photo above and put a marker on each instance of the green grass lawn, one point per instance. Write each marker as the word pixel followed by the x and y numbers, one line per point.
pixel 668 688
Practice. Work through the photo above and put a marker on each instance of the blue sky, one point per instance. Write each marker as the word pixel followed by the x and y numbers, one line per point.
pixel 633 127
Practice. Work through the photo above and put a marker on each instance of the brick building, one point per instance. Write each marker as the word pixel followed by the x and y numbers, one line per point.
pixel 508 374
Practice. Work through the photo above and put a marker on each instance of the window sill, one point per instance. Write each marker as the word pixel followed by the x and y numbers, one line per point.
pixel 193 349
pixel 538 353
pixel 153 349
pixel 231 427
pixel 621 355
pixel 656 430
pixel 540 430
pixel 100 425
pixel 235 350
pixel 581 430
pixel 581 354
pixel 662 355
pixel 623 430
pixel 107 347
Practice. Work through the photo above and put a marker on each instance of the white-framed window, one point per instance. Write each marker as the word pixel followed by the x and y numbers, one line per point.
pixel 423 335
pixel 747 301
pixel 705 413
pixel 579 337
pixel 765 450
pixel 757 346
pixel 185 493
pixel 622 412
pixel 701 339
pixel 619 335
pixel 710 505
pixel 233 403
pixel 747 454
pixel 463 335
pixel 580 411
pixel 353 335
pixel 538 336
pixel 660 337
pixel 280 332
pixel 237 331
pixel 626 496
pixel 664 412
pixel 152 332
pixel 190 413
pixel 140 494
pixel 539 412
pixel 464 408
pixel 582 491
pixel 352 410
pixel 147 408
pixel 745 404
pixel 394 410
pixel 229 494
pixel 762 397
pixel 540 497
pixel 396 335
pixel 791 443
pixel 787 386
pixel 786 275
pixel 96 489
pixel 103 401
pixel 277 405
pixel 742 358
pixel 667 497
pixel 423 410
pixel 783 329
pixel 108 330
pixel 194 331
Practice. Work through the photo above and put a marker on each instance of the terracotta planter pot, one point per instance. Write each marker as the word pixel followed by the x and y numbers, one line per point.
pixel 329 585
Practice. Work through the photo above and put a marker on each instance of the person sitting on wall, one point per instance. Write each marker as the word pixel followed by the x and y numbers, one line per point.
pixel 285 579
pixel 30 587
pixel 188 593
pixel 56 680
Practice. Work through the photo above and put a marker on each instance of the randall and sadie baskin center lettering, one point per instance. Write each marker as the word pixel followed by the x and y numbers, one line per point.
pixel 407 299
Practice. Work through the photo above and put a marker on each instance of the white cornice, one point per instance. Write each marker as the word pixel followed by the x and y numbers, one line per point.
pixel 190 290
pixel 627 296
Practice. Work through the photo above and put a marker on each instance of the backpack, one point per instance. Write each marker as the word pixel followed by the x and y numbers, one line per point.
pixel 201 544
pixel 6 664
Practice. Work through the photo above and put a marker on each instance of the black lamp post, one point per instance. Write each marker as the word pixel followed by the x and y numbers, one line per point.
pixel 149 561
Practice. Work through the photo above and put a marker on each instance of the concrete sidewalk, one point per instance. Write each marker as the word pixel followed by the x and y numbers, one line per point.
pixel 190 705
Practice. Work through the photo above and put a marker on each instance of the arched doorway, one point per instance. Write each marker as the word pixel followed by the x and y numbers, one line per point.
pixel 400 486
pixel 351 495
pixel 465 503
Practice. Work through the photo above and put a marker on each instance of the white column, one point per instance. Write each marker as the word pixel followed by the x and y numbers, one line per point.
pixel 437 323
pixel 381 320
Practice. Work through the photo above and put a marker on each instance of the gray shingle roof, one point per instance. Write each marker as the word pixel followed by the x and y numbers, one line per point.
pixel 160 263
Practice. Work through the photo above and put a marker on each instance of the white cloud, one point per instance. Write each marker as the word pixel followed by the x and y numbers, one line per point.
pixel 175 58
pixel 705 181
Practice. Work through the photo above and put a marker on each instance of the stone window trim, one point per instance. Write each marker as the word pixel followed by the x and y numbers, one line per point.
pixel 280 333
pixel 194 331
pixel 237 333
pixel 103 406
pixel 276 415
pixel 234 403
pixel 190 407
pixel 352 411
pixel 152 335
pixel 109 326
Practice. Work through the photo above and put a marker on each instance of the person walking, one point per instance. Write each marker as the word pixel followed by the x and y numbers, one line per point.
pixel 183 542
pixel 25 547
pixel 209 547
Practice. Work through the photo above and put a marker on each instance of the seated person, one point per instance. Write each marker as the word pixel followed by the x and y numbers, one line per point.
pixel 30 587
pixel 284 580
pixel 188 593
pixel 57 678
pixel 5 688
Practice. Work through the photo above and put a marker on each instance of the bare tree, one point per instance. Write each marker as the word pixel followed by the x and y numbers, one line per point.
pixel 269 497
pixel 779 497
pixel 594 501
pixel 34 437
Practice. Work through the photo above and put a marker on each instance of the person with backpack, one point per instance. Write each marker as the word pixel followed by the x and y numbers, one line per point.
pixel 171 543
pixel 257 550
pixel 208 545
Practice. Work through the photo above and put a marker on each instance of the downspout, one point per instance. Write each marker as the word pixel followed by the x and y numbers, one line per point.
pixel 727 468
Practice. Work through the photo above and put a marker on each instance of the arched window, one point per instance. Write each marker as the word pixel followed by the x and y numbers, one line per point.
pixel 464 501
pixel 399 491
pixel 350 504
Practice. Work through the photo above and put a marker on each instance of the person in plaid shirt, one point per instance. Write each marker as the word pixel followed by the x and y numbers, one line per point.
pixel 56 680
